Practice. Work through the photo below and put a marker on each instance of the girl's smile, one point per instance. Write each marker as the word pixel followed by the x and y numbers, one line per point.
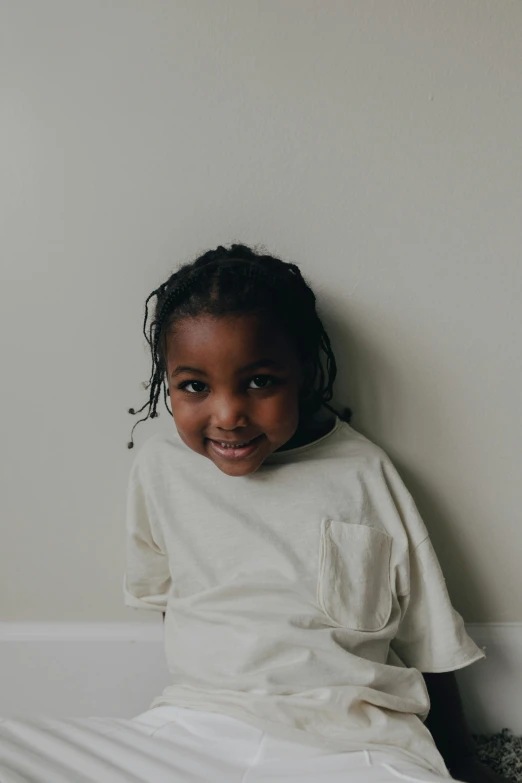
pixel 234 450
pixel 234 386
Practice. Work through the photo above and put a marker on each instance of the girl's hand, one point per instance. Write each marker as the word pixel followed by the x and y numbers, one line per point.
pixel 470 770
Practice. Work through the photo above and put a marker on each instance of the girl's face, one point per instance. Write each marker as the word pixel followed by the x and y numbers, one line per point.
pixel 234 386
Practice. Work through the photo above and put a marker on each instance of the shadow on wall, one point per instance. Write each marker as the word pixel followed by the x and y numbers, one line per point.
pixel 369 384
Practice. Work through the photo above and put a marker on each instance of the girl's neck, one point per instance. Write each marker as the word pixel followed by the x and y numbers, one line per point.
pixel 310 430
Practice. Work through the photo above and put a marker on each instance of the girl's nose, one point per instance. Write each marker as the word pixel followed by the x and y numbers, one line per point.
pixel 229 413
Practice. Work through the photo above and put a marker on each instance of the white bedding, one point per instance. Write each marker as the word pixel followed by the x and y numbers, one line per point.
pixel 80 750
pixel 175 745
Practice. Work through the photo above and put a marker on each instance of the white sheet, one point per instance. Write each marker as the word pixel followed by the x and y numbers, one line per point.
pixel 170 744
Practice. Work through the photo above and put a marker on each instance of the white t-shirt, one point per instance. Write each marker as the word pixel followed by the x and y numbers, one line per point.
pixel 305 598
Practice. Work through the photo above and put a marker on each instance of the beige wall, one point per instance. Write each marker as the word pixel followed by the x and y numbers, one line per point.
pixel 378 144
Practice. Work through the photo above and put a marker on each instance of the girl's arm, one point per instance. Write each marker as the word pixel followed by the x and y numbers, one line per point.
pixel 449 729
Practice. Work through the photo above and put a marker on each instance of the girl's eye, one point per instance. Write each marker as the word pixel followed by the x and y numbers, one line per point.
pixel 261 382
pixel 197 387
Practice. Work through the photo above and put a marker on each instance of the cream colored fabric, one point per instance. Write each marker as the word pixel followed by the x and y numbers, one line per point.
pixel 305 598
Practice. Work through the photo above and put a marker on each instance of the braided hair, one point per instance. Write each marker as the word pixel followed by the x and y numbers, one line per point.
pixel 238 280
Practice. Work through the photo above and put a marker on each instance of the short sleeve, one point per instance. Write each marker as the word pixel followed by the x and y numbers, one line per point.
pixel 147 579
pixel 431 636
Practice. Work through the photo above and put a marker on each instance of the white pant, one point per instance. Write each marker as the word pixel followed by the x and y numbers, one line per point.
pixel 177 745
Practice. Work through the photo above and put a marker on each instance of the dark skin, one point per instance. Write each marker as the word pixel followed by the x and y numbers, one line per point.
pixel 233 380
pixel 238 379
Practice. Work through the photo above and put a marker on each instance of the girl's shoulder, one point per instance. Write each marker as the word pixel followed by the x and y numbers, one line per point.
pixel 341 443
pixel 351 445
pixel 158 455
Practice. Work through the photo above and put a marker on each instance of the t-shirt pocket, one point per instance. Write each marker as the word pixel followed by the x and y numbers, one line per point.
pixel 354 585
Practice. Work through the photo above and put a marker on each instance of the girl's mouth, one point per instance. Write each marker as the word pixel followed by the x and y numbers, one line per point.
pixel 235 450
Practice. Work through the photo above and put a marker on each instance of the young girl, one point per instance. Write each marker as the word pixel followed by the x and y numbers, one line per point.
pixel 307 622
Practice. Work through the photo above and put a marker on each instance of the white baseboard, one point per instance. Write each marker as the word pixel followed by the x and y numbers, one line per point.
pixel 82 669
